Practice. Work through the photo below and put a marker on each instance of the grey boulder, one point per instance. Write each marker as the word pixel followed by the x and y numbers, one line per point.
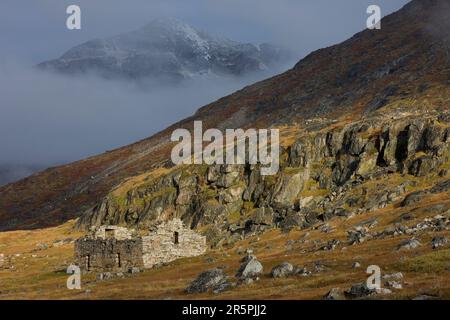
pixel 208 280
pixel 282 270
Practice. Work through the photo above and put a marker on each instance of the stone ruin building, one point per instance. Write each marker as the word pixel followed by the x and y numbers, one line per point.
pixel 118 249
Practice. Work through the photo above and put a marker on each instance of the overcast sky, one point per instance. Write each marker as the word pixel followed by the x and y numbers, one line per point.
pixel 35 30
pixel 52 119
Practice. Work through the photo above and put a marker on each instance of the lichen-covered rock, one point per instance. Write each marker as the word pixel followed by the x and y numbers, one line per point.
pixel 288 189
pixel 422 166
pixel 334 294
pixel 293 219
pixel 282 270
pixel 394 284
pixel 345 167
pixel 413 197
pixel 208 280
pixel 359 290
pixel 262 216
pixel 437 242
pixel 232 194
pixel 409 244
pixel 331 245
pixel 393 276
pixel 319 179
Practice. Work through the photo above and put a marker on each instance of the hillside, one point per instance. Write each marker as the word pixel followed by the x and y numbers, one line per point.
pixel 31 272
pixel 402 68
pixel 364 180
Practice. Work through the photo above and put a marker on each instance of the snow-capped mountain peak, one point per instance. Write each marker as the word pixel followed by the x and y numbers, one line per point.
pixel 166 48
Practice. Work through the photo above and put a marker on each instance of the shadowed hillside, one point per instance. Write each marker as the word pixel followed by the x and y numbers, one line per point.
pixel 404 67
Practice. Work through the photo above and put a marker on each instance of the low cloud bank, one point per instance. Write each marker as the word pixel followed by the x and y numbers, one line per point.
pixel 49 119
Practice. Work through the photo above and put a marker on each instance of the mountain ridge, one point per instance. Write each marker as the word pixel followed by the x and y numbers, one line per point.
pixel 166 49
pixel 372 72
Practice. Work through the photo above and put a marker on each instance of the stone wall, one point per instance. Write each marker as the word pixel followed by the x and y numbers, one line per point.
pixel 170 241
pixel 108 255
pixel 117 249
pixel 109 232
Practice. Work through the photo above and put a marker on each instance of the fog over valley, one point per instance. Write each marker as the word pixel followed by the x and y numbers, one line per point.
pixel 50 118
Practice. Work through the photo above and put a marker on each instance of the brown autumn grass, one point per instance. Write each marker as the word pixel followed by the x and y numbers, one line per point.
pixel 40 274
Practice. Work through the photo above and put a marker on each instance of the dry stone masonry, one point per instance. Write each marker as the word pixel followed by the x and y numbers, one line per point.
pixel 118 249
pixel 171 241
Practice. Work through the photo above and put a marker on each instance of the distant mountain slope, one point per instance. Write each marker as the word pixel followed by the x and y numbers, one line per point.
pixel 167 48
pixel 404 65
pixel 14 172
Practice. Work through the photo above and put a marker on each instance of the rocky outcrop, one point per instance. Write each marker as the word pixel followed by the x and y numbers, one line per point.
pixel 322 175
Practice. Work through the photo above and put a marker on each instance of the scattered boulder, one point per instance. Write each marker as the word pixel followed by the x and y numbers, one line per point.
pixel 409 244
pixel 301 271
pixel 282 270
pixel 331 245
pixel 58 243
pixel 2 260
pixel 42 246
pixel 250 268
pixel 325 228
pixel 393 284
pixel 358 235
pixel 393 276
pixel 292 220
pixel 370 223
pixel 439 242
pixel 334 294
pixel 208 280
pixel 413 197
pixel 359 290
pixel 441 187
pixel 319 267
pixel 356 265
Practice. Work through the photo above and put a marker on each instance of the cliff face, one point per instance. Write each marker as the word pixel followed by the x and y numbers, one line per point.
pixel 404 67
pixel 339 170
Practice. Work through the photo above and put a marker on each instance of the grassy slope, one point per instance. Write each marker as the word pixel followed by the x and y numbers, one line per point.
pixel 331 82
pixel 425 270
